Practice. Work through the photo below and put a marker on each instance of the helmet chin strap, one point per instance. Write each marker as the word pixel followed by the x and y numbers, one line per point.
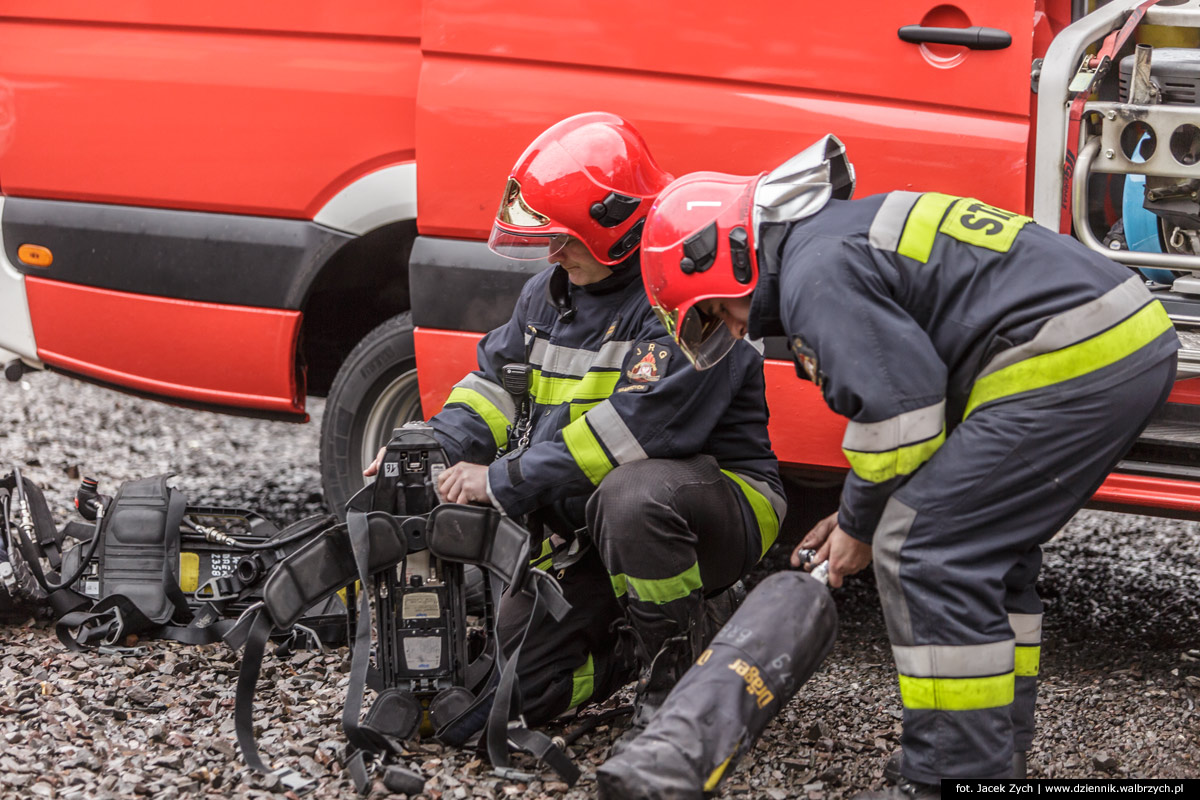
pixel 558 293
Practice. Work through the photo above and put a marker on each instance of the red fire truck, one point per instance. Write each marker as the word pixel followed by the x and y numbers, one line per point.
pixel 237 205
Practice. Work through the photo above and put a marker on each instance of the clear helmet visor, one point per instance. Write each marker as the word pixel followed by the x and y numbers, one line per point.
pixel 526 246
pixel 520 231
pixel 703 338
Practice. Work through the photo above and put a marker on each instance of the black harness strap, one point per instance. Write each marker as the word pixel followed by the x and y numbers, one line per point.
pixel 502 730
pixel 361 736
pixel 260 627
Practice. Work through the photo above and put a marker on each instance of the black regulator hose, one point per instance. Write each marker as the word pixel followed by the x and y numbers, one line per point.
pixel 217 537
pixel 96 505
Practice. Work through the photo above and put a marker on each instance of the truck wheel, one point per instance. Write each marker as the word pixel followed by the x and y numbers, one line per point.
pixel 375 390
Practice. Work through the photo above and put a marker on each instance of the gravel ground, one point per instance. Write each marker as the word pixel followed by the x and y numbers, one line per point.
pixel 1120 660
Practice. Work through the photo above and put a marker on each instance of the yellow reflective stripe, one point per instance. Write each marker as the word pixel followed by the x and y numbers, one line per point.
pixel 579 409
pixel 556 391
pixel 764 512
pixel 542 559
pixel 718 773
pixel 620 587
pixel 1027 660
pixel 583 682
pixel 1057 366
pixel 922 226
pixel 586 450
pixel 979 224
pixel 496 421
pixel 660 590
pixel 879 467
pixel 957 694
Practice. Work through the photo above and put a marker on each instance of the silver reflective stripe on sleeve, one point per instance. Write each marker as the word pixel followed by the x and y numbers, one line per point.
pixel 576 362
pixel 610 429
pixel 1081 322
pixel 1027 628
pixel 954 661
pixel 491 392
pixel 898 431
pixel 888 224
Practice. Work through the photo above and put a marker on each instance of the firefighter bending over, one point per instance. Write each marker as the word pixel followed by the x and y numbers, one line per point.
pixel 654 483
pixel 993 373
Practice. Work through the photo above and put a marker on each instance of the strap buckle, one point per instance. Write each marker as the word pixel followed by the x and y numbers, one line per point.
pixel 1083 79
pixel 110 650
pixel 106 627
pixel 293 780
pixel 219 588
pixel 511 774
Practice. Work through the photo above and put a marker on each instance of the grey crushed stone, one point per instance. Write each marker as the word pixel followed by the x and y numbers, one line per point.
pixel 1120 659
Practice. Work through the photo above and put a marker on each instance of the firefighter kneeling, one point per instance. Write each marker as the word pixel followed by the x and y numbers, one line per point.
pixel 653 484
pixel 993 373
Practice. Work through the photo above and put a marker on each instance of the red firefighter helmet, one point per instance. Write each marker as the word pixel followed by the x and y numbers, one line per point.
pixel 702 235
pixel 590 176
pixel 699 244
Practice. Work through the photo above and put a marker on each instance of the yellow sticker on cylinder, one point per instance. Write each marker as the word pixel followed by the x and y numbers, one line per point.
pixel 189 571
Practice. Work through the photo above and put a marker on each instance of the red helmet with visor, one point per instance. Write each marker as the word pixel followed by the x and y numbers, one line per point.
pixel 700 244
pixel 590 176
pixel 705 231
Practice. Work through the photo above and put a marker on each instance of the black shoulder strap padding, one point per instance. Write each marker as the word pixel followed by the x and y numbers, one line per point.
pixel 360 737
pixel 176 507
pixel 139 542
pixel 325 564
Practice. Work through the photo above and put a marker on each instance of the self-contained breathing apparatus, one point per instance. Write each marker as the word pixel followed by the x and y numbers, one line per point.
pixel 435 669
pixel 147 564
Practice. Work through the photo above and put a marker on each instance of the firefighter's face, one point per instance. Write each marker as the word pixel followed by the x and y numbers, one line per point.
pixel 733 311
pixel 582 268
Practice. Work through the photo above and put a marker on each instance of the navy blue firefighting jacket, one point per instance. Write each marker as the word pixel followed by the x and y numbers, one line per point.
pixel 609 387
pixel 912 311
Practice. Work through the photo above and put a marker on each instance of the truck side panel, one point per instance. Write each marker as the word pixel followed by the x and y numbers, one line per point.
pixel 231 106
pixel 145 116
pixel 709 90
pixel 160 345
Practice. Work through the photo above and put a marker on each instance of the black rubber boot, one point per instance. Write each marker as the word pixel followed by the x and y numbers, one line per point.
pixel 669 639
pixel 891 770
pixel 904 790
pixel 665 648
pixel 720 607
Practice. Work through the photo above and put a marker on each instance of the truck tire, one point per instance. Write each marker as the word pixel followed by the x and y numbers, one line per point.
pixel 375 390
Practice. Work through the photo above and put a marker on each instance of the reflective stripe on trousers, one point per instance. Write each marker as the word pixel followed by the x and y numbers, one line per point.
pixel 956 558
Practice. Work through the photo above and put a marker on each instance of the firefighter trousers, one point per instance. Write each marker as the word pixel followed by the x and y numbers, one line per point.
pixel 665 532
pixel 957 554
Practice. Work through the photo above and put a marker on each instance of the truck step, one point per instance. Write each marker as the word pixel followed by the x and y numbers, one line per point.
pixel 1171 433
pixel 1172 438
